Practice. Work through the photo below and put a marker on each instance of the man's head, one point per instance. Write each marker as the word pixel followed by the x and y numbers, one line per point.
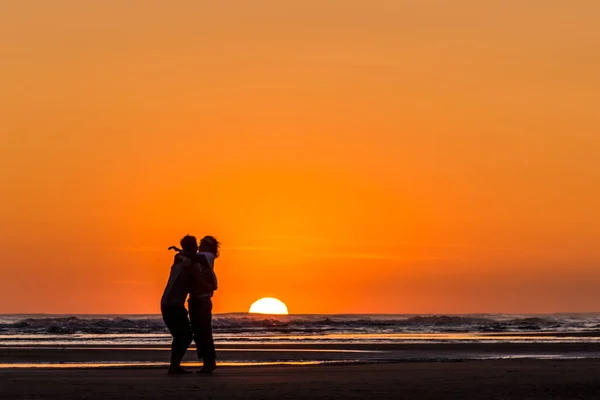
pixel 189 243
pixel 210 245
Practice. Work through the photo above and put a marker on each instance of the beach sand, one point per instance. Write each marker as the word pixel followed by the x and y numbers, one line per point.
pixel 505 379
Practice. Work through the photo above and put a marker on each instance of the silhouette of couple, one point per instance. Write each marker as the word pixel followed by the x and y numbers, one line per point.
pixel 192 274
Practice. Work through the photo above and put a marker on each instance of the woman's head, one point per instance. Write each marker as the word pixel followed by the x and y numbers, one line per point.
pixel 189 243
pixel 210 245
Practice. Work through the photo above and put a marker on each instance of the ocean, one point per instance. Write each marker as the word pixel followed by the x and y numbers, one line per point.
pixel 251 338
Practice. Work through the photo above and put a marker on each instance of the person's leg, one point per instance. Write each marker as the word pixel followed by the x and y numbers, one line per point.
pixel 210 353
pixel 197 326
pixel 176 319
pixel 181 340
pixel 201 319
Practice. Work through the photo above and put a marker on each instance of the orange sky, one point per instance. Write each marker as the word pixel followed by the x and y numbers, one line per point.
pixel 371 156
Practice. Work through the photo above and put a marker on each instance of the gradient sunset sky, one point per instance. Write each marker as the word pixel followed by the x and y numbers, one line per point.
pixel 399 156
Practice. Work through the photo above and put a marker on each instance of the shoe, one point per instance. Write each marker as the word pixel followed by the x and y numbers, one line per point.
pixel 208 367
pixel 177 371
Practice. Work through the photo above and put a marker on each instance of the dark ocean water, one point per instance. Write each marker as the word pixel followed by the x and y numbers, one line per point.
pixel 250 328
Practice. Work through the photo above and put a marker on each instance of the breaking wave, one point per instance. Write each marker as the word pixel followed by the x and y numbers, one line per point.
pixel 303 324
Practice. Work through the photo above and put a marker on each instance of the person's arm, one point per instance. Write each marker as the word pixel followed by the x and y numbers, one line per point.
pixel 199 278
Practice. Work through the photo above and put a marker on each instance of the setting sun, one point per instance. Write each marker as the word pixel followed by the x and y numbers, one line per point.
pixel 269 305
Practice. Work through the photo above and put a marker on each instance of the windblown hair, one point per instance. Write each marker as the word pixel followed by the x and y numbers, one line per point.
pixel 210 244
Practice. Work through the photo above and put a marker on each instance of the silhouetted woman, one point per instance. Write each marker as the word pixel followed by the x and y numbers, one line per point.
pixel 200 304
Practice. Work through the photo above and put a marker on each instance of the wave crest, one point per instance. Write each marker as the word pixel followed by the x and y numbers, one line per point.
pixel 234 323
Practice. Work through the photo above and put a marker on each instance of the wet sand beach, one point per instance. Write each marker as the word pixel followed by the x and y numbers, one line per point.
pixel 329 352
pixel 490 380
